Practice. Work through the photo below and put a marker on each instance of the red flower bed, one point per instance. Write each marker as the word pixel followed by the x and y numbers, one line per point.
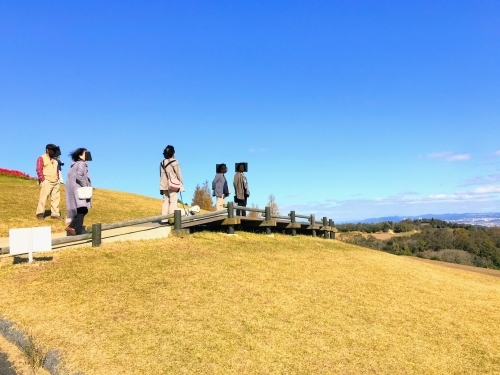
pixel 11 173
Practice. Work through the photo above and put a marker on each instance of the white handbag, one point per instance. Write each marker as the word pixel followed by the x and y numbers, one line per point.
pixel 84 192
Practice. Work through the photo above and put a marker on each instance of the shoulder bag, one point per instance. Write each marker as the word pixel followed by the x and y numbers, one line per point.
pixel 84 192
pixel 173 184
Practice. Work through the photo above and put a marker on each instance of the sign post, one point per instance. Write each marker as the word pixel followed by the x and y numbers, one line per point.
pixel 29 241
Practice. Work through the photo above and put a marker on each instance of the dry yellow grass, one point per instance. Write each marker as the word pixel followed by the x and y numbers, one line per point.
pixel 212 304
pixel 18 200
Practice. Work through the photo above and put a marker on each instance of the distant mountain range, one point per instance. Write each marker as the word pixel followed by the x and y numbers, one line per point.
pixel 489 219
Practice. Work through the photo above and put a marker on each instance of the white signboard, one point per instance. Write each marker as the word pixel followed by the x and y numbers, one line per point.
pixel 30 240
pixel 20 241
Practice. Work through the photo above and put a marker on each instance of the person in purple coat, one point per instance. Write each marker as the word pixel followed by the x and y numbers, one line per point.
pixel 78 176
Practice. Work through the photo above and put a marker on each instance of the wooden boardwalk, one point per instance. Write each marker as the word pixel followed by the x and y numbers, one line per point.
pixel 225 220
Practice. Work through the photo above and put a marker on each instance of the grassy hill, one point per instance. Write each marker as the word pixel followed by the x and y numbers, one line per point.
pixel 212 304
pixel 19 198
pixel 250 304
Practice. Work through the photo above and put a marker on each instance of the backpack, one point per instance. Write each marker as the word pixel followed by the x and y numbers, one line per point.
pixel 173 184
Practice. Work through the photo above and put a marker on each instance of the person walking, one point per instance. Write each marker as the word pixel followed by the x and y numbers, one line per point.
pixel 170 181
pixel 241 191
pixel 78 176
pixel 48 178
pixel 220 189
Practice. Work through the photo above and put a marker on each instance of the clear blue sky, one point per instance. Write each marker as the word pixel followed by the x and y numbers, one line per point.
pixel 347 109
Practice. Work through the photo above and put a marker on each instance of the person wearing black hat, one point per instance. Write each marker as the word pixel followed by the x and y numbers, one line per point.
pixel 47 170
pixel 220 189
pixel 241 191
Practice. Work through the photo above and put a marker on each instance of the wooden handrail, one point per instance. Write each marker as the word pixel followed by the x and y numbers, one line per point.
pixel 250 209
pixel 129 223
pixel 96 237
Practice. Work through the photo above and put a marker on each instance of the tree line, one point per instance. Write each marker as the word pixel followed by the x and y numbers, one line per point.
pixel 403 226
pixel 437 239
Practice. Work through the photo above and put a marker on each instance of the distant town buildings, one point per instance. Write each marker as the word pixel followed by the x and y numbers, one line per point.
pixel 485 220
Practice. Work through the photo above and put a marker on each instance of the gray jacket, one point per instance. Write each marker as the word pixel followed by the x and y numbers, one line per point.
pixel 78 176
pixel 240 184
pixel 218 185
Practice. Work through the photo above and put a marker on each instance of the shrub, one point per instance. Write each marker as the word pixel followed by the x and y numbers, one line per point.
pixel 17 174
pixel 254 214
pixel 273 205
pixel 202 197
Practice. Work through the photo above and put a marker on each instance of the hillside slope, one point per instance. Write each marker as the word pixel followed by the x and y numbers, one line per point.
pixel 18 200
pixel 250 304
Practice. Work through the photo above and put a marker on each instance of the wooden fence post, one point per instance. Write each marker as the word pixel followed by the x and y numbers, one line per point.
pixel 178 231
pixel 177 220
pixel 292 220
pixel 96 235
pixel 313 223
pixel 268 218
pixel 332 233
pixel 230 215
pixel 326 233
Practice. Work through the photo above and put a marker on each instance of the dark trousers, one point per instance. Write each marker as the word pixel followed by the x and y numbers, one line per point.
pixel 77 221
pixel 240 202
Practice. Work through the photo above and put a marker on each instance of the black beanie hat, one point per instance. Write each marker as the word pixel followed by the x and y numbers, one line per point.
pixel 169 150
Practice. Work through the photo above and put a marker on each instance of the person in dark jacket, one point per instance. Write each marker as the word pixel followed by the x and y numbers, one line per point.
pixel 220 189
pixel 60 163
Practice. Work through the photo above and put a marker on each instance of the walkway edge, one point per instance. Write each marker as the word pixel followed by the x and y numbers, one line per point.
pixel 17 337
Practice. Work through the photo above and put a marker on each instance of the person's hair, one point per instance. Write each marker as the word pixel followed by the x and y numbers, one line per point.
pixel 238 167
pixel 168 152
pixel 219 168
pixel 75 155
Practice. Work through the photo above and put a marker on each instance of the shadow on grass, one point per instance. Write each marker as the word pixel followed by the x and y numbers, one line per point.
pixel 20 259
pixel 5 365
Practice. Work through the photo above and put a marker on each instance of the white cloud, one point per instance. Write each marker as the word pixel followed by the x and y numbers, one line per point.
pixel 458 157
pixel 481 199
pixel 441 196
pixel 487 190
pixel 480 193
pixel 496 153
pixel 448 156
pixel 482 180
pixel 407 192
